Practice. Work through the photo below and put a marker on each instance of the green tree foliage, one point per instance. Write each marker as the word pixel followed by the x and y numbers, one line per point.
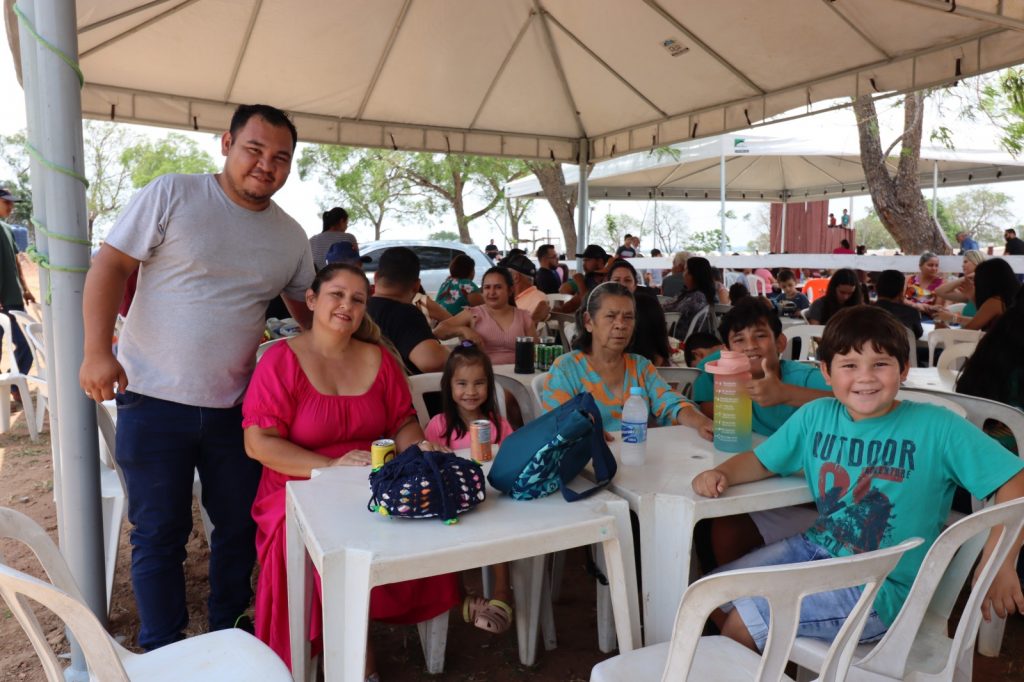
pixel 872 234
pixel 14 176
pixel 446 180
pixel 1002 100
pixel 981 212
pixel 175 153
pixel 609 233
pixel 706 241
pixel 444 236
pixel 367 182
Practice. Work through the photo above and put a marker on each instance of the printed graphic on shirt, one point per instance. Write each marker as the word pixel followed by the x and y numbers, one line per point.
pixel 854 513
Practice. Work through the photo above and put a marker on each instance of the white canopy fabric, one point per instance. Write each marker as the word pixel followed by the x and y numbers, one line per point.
pixel 768 168
pixel 525 78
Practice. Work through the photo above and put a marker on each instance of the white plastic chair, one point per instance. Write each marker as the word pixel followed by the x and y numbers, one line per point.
pixel 808 335
pixel 265 346
pixel 941 400
pixel 555 299
pixel 953 356
pixel 980 410
pixel 225 655
pixel 537 386
pixel 916 647
pixel 671 320
pixel 12 377
pixel 699 319
pixel 680 378
pixel 421 384
pixel 956 308
pixel 949 337
pixel 37 379
pixel 688 656
pixel 757 285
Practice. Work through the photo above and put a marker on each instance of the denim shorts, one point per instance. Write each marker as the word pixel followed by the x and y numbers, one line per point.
pixel 821 615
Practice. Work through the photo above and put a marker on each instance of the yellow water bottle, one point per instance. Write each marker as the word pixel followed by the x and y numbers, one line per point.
pixel 733 411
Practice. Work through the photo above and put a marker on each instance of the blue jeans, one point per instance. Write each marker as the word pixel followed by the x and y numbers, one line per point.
pixel 821 615
pixel 159 446
pixel 22 351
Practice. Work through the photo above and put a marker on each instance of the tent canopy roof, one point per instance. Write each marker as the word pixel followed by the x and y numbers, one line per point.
pixel 768 168
pixel 526 78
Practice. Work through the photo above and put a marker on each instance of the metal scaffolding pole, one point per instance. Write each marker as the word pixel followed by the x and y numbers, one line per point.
pixel 582 203
pixel 54 100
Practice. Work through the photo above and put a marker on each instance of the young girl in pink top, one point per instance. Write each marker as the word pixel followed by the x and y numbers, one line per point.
pixel 468 394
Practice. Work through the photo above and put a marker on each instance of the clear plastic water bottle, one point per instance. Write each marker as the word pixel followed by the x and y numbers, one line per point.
pixel 634 428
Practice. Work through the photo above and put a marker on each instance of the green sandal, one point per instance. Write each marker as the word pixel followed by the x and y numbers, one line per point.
pixel 494 616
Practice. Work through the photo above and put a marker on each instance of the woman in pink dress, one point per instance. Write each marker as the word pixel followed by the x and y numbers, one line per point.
pixel 494 325
pixel 319 400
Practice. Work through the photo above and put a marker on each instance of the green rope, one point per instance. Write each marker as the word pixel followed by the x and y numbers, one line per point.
pixel 50 46
pixel 70 172
pixel 36 223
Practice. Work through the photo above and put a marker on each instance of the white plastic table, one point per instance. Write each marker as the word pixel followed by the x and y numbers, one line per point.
pixel 931 378
pixel 661 494
pixel 329 528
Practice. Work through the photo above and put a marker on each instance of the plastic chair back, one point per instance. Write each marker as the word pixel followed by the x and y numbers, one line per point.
pixel 537 386
pixel 421 384
pixel 808 335
pixel 757 285
pixel 949 337
pixel 952 357
pixel 890 656
pixel 956 308
pixel 784 587
pixel 62 598
pixel 7 363
pixel 815 288
pixel 555 299
pixel 680 378
pixel 263 347
pixel 941 400
pixel 671 320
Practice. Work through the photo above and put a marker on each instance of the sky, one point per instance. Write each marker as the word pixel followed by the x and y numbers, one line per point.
pixel 302 199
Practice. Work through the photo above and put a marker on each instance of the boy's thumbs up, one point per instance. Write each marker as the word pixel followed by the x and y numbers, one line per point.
pixel 767 368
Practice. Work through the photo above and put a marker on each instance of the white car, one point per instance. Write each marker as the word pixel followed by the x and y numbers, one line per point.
pixel 435 257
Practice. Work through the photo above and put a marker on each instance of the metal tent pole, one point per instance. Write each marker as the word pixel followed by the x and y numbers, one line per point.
pixel 935 192
pixel 59 115
pixel 721 189
pixel 782 241
pixel 582 203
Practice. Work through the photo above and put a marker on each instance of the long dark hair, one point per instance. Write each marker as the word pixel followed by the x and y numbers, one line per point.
pixel 995 277
pixel 650 333
pixel 703 278
pixel 995 370
pixel 832 305
pixel 466 353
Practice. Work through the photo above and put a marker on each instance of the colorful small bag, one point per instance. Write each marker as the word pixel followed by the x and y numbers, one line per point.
pixel 419 484
pixel 549 452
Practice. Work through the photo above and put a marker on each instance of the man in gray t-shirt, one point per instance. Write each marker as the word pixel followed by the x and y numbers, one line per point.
pixel 212 251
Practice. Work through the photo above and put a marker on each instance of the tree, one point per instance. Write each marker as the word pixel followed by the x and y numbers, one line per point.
pixel 897 198
pixel 1002 100
pixel 561 198
pixel 445 180
pixel 872 234
pixel 368 182
pixel 110 182
pixel 444 236
pixel 16 160
pixel 670 225
pixel 707 241
pixel 982 213
pixel 516 208
pixel 175 153
pixel 760 222
pixel 615 226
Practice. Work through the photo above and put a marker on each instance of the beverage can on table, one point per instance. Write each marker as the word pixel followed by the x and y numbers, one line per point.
pixel 480 440
pixel 381 452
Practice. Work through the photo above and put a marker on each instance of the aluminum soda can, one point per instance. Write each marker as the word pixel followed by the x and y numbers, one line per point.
pixel 480 440
pixel 381 452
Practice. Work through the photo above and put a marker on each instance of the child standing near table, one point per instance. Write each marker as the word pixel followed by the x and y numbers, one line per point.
pixel 881 471
pixel 467 395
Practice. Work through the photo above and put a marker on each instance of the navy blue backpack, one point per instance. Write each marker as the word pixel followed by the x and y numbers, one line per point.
pixel 549 452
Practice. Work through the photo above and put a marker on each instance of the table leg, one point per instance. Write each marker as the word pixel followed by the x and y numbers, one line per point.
pixel 624 531
pixel 345 580
pixel 527 586
pixel 615 565
pixel 668 557
pixel 300 570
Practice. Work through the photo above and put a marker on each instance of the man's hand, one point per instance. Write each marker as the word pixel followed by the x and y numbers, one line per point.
pixel 768 391
pixel 98 376
pixel 1004 594
pixel 710 483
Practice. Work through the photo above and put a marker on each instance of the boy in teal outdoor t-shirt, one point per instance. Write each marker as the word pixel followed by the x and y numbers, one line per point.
pixel 881 471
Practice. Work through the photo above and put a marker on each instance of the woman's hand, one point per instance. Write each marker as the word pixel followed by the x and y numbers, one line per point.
pixel 427 446
pixel 353 458
pixel 693 417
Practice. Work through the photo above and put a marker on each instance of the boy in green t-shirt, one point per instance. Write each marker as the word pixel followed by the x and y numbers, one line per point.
pixel 778 388
pixel 881 471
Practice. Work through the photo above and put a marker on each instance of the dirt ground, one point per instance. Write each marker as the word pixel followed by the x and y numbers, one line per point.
pixel 26 484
